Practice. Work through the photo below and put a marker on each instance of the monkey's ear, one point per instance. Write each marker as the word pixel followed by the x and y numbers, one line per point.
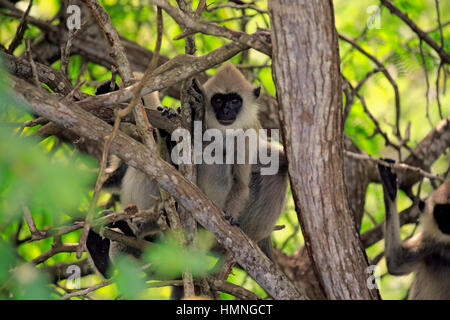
pixel 257 92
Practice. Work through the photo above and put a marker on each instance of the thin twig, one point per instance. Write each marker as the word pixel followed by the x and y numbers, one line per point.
pixel 237 6
pixel 420 33
pixel 58 248
pixel 438 14
pixel 75 90
pixel 256 41
pixel 87 290
pixel 35 233
pixel 101 178
pixel 400 166
pixel 20 30
pixel 65 51
pixel 118 53
pixel 230 288
pixel 388 77
pixel 438 99
pixel 33 65
pixel 427 91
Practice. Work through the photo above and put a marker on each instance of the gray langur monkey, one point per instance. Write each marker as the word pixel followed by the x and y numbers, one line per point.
pixel 427 254
pixel 250 199
pixel 135 188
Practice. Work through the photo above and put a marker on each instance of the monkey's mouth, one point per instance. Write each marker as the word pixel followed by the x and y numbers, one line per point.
pixel 226 122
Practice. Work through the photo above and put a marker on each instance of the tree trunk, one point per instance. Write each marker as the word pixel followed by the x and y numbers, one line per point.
pixel 307 76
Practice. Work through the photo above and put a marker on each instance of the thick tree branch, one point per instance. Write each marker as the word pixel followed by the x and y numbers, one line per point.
pixel 174 71
pixel 309 94
pixel 51 77
pixel 246 253
pixel 399 166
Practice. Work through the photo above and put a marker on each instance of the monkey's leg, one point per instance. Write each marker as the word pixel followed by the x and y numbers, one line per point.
pixel 238 196
pixel 266 247
pixel 399 259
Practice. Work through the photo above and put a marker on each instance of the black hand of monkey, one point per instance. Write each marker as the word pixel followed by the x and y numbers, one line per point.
pixel 389 178
pixel 168 112
pixel 232 220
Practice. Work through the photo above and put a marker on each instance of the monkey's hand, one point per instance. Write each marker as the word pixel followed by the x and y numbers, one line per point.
pixel 239 193
pixel 196 95
pixel 168 112
pixel 389 179
pixel 232 220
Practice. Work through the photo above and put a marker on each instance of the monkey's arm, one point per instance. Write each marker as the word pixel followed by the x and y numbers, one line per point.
pixel 239 193
pixel 400 259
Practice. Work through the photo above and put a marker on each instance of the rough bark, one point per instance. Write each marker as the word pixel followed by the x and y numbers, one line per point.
pixel 299 269
pixel 307 77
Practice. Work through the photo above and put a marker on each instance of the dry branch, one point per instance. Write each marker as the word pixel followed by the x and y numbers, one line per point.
pixel 20 30
pixel 51 77
pixel 172 72
pixel 58 248
pixel 124 68
pixel 255 41
pixel 399 166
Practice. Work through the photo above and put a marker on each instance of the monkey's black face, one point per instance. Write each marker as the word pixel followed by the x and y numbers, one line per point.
pixel 226 107
pixel 441 214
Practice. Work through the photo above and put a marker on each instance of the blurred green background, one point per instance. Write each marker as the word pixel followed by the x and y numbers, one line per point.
pixel 55 181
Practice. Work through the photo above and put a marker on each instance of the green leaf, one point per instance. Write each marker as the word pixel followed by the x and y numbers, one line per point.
pixel 130 280
pixel 169 259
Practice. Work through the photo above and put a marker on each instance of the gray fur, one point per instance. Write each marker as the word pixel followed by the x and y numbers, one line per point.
pixel 255 200
pixel 266 202
pixel 215 180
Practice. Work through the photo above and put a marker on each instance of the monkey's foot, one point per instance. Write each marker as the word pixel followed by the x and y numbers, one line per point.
pixel 168 112
pixel 232 220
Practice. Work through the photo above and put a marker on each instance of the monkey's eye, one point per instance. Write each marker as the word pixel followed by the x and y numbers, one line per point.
pixel 235 101
pixel 217 101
